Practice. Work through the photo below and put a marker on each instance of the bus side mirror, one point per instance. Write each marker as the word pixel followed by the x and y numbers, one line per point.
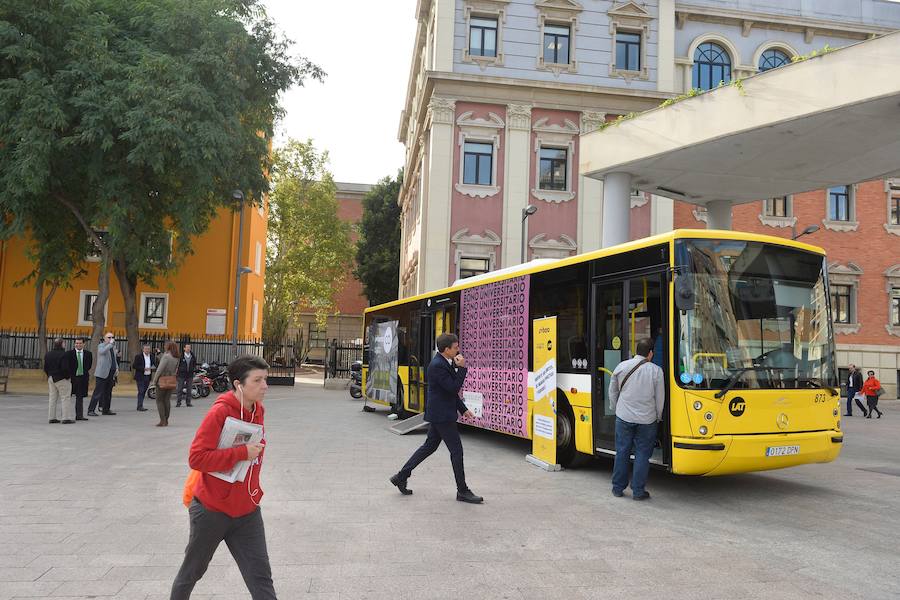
pixel 684 292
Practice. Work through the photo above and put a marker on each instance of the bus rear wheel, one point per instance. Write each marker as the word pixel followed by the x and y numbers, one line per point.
pixel 566 454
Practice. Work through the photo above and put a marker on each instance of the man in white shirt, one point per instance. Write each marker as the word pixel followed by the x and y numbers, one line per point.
pixel 143 366
pixel 638 392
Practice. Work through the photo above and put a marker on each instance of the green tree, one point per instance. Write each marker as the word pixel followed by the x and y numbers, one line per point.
pixel 309 250
pixel 378 246
pixel 137 119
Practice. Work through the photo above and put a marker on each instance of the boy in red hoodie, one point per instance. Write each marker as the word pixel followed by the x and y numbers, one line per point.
pixel 229 511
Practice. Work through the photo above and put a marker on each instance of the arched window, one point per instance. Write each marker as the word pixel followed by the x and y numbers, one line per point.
pixel 773 58
pixel 711 66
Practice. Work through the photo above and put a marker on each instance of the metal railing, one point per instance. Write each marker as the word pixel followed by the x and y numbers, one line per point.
pixel 339 357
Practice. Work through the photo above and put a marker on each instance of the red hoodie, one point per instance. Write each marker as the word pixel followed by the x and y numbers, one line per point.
pixel 233 499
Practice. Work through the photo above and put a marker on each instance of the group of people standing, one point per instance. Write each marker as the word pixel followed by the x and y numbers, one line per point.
pixel 857 389
pixel 68 378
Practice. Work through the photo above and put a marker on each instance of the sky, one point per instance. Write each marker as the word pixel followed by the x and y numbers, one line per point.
pixel 365 48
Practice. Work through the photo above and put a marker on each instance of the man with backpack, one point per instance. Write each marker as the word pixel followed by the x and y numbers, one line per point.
pixel 638 392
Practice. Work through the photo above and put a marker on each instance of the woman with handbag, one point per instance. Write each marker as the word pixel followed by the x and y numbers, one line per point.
pixel 165 381
pixel 872 389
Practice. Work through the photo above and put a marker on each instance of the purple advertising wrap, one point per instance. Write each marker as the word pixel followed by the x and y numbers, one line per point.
pixel 494 341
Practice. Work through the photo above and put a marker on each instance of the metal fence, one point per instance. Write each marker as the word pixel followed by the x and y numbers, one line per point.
pixel 339 357
pixel 21 349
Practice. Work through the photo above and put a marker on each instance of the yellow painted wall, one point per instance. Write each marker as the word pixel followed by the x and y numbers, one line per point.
pixel 204 280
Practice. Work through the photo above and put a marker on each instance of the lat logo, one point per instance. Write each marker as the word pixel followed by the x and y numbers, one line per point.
pixel 737 406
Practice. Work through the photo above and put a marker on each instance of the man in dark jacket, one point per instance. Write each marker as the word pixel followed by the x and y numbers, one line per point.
pixel 57 369
pixel 854 385
pixel 445 377
pixel 80 361
pixel 185 376
pixel 143 366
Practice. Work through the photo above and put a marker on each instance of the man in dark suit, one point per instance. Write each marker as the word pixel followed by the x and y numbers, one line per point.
pixel 445 377
pixel 854 385
pixel 80 362
pixel 185 376
pixel 143 366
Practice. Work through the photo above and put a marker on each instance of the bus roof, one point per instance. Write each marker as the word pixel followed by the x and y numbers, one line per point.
pixel 538 266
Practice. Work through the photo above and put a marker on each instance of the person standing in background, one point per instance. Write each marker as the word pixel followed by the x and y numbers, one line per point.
pixel 80 362
pixel 143 366
pixel 57 369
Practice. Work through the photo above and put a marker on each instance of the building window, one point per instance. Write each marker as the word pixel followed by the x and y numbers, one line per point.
pixel 839 203
pixel 317 338
pixel 477 163
pixel 772 58
pixel 469 266
pixel 254 323
pixel 840 303
pixel 712 66
pixel 553 169
pixel 556 44
pixel 257 263
pixel 482 37
pixel 777 207
pixel 628 51
pixel 154 309
pixel 86 307
pixel 894 200
pixel 895 306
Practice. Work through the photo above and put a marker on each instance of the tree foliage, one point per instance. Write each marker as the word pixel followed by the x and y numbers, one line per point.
pixel 378 246
pixel 137 119
pixel 309 250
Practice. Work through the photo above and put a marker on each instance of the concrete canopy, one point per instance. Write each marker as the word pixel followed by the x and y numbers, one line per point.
pixel 829 120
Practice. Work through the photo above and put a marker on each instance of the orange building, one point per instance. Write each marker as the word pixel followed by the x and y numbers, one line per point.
pixel 196 299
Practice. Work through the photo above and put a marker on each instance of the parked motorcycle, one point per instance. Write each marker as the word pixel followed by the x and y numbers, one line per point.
pixel 200 386
pixel 218 374
pixel 356 379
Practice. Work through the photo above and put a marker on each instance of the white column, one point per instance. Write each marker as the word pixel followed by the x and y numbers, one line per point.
pixel 662 214
pixel 444 17
pixel 616 209
pixel 665 49
pixel 434 262
pixel 590 194
pixel 516 169
pixel 718 214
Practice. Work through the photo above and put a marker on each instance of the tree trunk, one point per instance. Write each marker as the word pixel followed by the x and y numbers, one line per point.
pixel 41 306
pixel 98 314
pixel 128 287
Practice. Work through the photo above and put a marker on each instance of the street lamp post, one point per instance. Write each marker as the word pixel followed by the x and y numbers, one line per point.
pixel 807 231
pixel 526 212
pixel 238 196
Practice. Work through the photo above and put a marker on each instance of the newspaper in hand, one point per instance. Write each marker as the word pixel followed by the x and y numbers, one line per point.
pixel 237 433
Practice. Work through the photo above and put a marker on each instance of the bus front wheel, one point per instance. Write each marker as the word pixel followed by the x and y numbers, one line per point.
pixel 566 454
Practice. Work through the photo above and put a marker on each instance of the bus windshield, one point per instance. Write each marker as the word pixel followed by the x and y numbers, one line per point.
pixel 760 317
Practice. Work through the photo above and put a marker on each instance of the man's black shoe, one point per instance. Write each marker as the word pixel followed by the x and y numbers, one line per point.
pixel 178 405
pixel 848 414
pixel 646 496
pixel 92 414
pixel 81 419
pixel 67 422
pixel 468 496
pixel 618 493
pixel 401 485
pixel 109 412
pixel 189 404
pixel 142 409
pixel 53 421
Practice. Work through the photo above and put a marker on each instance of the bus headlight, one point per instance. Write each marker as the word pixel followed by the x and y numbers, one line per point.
pixel 697 405
pixel 703 430
pixel 708 416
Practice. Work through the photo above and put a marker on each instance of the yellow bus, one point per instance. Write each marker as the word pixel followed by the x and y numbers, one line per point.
pixel 741 325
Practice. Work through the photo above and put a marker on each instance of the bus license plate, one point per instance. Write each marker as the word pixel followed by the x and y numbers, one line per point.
pixel 782 450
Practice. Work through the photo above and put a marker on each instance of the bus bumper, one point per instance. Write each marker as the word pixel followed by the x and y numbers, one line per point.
pixel 727 454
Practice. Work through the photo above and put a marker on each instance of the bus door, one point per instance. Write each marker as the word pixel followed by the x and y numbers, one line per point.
pixel 431 323
pixel 625 311
pixel 418 324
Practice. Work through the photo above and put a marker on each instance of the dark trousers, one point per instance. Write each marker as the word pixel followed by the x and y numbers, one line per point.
pixel 102 395
pixel 851 392
pixel 143 382
pixel 183 391
pixel 450 435
pixel 79 390
pixel 872 401
pixel 640 438
pixel 246 539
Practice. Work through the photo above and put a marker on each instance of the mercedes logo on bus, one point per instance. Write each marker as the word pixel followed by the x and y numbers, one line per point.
pixel 737 406
pixel 782 421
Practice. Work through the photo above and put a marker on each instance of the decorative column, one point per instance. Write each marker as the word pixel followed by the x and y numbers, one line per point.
pixel 616 224
pixel 665 47
pixel 434 261
pixel 516 163
pixel 590 194
pixel 718 214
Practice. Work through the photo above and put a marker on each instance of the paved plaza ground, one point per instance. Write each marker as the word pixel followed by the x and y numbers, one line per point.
pixel 93 510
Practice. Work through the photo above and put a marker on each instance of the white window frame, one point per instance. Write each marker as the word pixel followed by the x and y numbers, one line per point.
pixel 555 136
pixel 892 282
pixel 142 322
pixel 485 9
pixel 850 275
pixel 844 226
pixel 773 221
pixel 773 45
pixel 254 320
pixel 82 300
pixel 483 131
pixel 562 14
pixel 891 189
pixel 629 18
pixel 469 245
pixel 487 257
pixel 257 261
